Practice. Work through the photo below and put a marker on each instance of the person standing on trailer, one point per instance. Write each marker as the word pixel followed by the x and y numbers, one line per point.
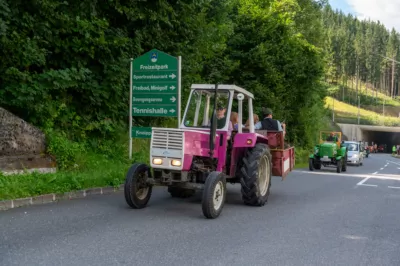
pixel 268 123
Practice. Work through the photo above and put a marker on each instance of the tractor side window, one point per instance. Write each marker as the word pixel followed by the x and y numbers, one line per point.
pixel 200 109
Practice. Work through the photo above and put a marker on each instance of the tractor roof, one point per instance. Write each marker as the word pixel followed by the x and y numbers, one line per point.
pixel 235 88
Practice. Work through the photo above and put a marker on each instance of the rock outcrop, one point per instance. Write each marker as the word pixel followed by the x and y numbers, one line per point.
pixel 22 146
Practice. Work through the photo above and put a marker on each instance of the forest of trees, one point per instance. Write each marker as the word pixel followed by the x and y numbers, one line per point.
pixel 361 51
pixel 65 64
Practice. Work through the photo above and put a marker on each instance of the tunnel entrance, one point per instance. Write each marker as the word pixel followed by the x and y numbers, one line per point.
pixel 381 138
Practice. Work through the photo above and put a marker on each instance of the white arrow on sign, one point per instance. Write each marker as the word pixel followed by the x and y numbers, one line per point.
pixel 172 88
pixel 172 76
pixel 173 99
pixel 172 111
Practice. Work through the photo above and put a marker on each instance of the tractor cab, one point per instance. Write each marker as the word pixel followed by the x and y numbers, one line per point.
pixel 205 103
pixel 330 137
pixel 204 99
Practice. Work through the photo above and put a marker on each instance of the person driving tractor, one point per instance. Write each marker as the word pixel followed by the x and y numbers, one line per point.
pixel 221 119
pixel 332 137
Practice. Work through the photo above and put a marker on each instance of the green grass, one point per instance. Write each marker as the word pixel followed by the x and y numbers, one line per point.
pixel 104 166
pixel 97 172
pixel 348 114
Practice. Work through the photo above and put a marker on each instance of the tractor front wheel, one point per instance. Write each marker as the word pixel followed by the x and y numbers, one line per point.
pixel 311 164
pixel 214 195
pixel 137 191
pixel 344 164
pixel 339 166
pixel 317 165
pixel 256 175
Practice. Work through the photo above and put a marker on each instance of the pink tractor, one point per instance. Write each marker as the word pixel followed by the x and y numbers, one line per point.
pixel 201 156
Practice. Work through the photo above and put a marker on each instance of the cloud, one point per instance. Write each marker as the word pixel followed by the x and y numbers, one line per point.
pixel 386 11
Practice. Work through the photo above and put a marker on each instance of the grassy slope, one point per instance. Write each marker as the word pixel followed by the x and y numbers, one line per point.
pixel 368 95
pixel 350 112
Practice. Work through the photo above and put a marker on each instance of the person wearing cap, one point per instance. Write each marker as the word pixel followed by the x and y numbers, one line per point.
pixel 268 123
pixel 221 120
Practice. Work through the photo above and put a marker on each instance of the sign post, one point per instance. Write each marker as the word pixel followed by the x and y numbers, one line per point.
pixel 155 90
pixel 130 108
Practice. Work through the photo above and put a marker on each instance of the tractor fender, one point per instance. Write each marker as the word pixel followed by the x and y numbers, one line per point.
pixel 343 151
pixel 338 158
pixel 247 140
pixel 311 156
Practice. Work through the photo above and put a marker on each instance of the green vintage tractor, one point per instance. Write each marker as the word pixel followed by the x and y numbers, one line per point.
pixel 329 152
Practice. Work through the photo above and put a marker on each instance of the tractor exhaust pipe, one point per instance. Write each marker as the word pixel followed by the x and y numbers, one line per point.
pixel 213 126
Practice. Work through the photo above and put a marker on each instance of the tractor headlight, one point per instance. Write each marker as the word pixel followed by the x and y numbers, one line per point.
pixel 316 151
pixel 157 161
pixel 176 163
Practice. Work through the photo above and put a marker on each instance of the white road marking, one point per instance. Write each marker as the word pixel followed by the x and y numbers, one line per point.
pixel 393 162
pixel 373 176
pixel 361 183
pixel 381 168
pixel 353 237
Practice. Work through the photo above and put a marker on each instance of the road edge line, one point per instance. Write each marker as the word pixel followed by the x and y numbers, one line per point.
pixel 55 197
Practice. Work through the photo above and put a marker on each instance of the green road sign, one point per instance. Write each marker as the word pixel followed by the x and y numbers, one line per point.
pixel 157 110
pixel 155 85
pixel 155 100
pixel 157 88
pixel 141 132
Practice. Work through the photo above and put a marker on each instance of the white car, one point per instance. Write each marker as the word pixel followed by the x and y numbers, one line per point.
pixel 355 154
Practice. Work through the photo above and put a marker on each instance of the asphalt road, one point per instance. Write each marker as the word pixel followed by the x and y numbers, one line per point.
pixel 320 218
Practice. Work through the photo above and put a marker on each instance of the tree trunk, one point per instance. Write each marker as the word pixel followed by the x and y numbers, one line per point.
pixel 392 90
pixel 357 77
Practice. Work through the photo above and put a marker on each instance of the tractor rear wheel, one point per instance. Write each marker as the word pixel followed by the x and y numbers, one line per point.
pixel 177 192
pixel 256 175
pixel 339 166
pixel 214 195
pixel 137 191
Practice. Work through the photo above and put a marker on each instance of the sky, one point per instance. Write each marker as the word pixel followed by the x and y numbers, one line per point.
pixel 386 11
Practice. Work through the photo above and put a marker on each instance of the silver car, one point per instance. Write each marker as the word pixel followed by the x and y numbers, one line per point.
pixel 355 153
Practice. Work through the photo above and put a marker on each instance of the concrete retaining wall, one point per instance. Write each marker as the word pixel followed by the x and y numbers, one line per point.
pixel 352 132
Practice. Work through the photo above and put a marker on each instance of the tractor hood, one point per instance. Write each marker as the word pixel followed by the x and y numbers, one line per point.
pixel 327 149
pixel 328 145
pixel 170 144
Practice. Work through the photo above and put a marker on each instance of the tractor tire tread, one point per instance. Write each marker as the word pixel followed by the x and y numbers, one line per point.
pixel 249 180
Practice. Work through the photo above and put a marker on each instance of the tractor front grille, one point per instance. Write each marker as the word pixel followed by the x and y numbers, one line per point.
pixel 326 151
pixel 167 140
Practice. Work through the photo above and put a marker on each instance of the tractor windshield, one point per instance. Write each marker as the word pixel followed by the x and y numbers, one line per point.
pixel 200 108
